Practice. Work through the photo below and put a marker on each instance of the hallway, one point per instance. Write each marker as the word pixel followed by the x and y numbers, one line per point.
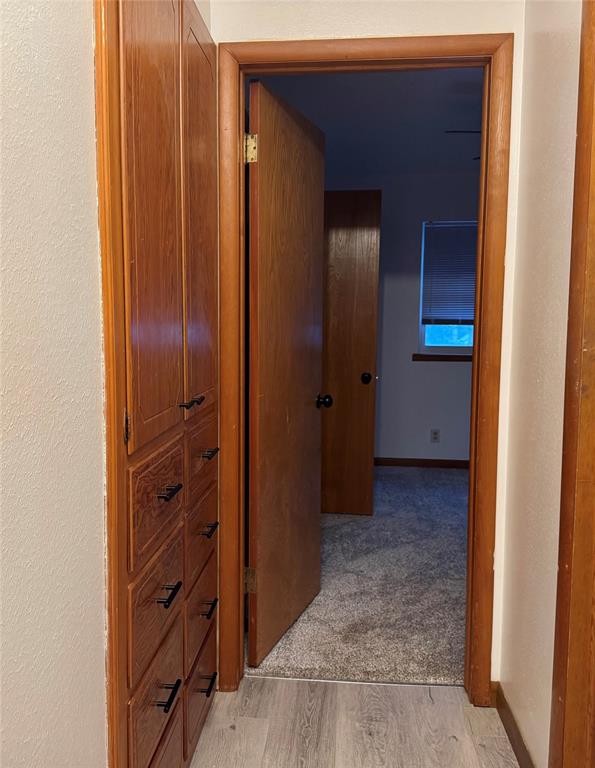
pixel 287 723
pixel 392 603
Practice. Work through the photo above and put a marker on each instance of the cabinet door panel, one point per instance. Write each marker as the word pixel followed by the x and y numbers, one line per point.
pixel 199 167
pixel 152 200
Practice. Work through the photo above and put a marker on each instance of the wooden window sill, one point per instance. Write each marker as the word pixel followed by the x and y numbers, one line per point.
pixel 423 357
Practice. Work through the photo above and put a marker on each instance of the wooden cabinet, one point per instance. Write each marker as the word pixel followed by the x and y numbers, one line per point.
pixel 199 171
pixel 164 605
pixel 150 37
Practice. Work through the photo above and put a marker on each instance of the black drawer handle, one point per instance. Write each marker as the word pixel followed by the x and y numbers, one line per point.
pixel 213 603
pixel 191 403
pixel 209 689
pixel 174 688
pixel 210 453
pixel 169 492
pixel 173 590
pixel 209 530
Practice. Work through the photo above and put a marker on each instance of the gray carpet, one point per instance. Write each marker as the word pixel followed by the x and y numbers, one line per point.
pixel 392 603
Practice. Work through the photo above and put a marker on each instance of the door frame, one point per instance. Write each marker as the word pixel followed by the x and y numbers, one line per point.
pixel 493 52
pixel 572 727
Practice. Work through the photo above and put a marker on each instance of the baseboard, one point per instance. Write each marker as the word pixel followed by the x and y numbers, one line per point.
pixel 381 461
pixel 511 728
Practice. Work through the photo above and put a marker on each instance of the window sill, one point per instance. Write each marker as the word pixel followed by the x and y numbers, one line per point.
pixel 425 357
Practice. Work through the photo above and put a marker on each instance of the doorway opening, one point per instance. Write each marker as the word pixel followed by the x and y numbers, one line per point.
pixel 237 62
pixel 388 328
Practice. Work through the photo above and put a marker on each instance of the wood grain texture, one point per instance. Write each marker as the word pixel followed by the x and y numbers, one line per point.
pixel 170 753
pixel 485 397
pixel 286 723
pixel 572 735
pixel 494 53
pixel 352 255
pixel 198 605
pixel 286 299
pixel 199 208
pixel 147 721
pixel 200 542
pixel 140 154
pixel 149 39
pixel 109 178
pixel 151 517
pixel 200 438
pixel 196 701
pixel 148 619
pixel 232 372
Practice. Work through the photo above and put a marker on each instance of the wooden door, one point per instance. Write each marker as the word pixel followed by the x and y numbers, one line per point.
pixel 199 153
pixel 352 247
pixel 286 295
pixel 153 260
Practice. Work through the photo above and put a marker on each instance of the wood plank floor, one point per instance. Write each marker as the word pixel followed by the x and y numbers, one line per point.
pixel 275 723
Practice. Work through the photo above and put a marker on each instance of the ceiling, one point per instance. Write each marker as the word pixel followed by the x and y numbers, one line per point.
pixel 392 121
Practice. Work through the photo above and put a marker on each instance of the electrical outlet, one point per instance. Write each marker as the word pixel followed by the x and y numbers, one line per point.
pixel 434 435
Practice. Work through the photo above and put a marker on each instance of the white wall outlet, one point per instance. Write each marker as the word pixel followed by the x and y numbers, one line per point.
pixel 434 435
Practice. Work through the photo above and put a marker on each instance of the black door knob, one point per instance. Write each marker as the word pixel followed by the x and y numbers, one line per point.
pixel 324 401
pixel 366 377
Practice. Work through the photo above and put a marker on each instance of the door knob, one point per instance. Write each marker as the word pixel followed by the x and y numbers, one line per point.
pixel 366 377
pixel 324 401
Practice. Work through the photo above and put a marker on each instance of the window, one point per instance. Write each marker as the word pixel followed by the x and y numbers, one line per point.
pixel 447 295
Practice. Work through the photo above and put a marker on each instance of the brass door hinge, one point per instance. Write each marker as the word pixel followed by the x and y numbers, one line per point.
pixel 249 580
pixel 250 147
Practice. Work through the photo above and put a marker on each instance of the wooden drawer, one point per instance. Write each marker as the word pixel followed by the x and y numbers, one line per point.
pixel 170 753
pixel 147 718
pixel 156 497
pixel 153 601
pixel 199 690
pixel 202 443
pixel 201 611
pixel 201 535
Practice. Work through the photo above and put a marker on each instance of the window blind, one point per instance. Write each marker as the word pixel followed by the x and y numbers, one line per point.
pixel 448 272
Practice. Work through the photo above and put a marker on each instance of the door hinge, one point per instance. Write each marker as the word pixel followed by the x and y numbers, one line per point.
pixel 250 147
pixel 249 580
pixel 126 427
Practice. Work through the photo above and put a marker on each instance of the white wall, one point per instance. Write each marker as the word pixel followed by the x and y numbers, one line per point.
pixel 415 397
pixel 53 708
pixel 537 374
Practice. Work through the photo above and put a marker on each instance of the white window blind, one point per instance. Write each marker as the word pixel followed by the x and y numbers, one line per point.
pixel 448 272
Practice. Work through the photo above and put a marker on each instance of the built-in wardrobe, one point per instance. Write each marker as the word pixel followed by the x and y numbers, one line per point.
pixel 158 183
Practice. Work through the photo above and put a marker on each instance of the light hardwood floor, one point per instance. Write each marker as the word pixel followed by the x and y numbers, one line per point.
pixel 275 723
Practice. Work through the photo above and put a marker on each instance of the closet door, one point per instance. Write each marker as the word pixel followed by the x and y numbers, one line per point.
pixel 199 168
pixel 152 200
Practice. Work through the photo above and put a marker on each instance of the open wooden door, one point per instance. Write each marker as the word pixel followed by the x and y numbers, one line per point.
pixel 286 187
pixel 352 250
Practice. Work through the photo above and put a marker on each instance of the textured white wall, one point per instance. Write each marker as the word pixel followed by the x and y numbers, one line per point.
pixel 53 712
pixel 415 397
pixel 234 20
pixel 537 376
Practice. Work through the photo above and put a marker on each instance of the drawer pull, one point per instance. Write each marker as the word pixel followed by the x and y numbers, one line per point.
pixel 209 530
pixel 210 453
pixel 209 689
pixel 174 688
pixel 173 590
pixel 191 403
pixel 169 492
pixel 213 603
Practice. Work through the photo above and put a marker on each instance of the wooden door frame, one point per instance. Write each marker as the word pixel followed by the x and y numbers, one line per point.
pixel 572 730
pixel 236 60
